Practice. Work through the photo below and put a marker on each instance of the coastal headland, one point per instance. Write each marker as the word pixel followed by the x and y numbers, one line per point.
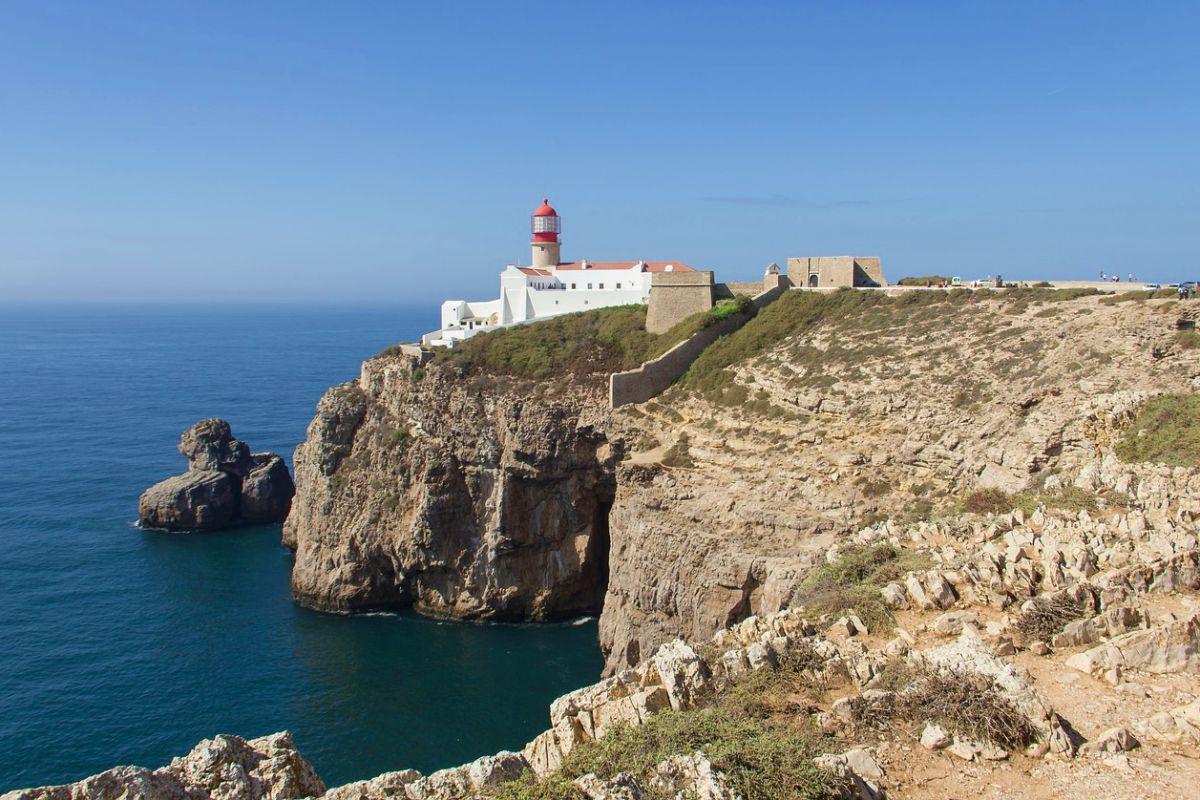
pixel 915 545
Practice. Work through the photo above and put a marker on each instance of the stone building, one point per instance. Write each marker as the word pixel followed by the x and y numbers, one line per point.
pixel 819 272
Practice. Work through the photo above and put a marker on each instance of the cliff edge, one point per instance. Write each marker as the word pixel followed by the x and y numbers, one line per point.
pixel 459 496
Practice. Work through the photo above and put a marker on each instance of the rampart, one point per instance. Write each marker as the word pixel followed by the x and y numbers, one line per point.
pixel 677 295
pixel 655 376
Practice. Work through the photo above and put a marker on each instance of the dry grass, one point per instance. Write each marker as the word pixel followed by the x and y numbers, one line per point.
pixel 966 704
pixel 1048 615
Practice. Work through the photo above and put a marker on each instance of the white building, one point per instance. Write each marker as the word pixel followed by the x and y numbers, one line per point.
pixel 548 287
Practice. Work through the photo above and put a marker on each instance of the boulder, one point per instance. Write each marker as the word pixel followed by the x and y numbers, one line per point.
pixel 1177 725
pixel 225 485
pixel 1159 650
pixel 857 772
pixel 1113 740
pixel 198 500
pixel 382 787
pixel 622 786
pixel 692 778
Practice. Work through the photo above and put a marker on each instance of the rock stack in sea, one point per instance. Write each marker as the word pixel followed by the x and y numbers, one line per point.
pixel 225 485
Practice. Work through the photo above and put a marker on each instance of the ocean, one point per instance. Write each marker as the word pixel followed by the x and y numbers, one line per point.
pixel 123 646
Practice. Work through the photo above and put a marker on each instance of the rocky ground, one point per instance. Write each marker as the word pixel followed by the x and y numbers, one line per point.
pixel 898 537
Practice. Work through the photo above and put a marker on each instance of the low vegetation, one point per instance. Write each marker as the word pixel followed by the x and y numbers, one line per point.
pixel 685 328
pixel 853 581
pixel 679 454
pixel 995 501
pixel 926 280
pixel 1165 430
pixel 753 733
pixel 1048 615
pixel 965 704
pixel 858 329
pixel 583 344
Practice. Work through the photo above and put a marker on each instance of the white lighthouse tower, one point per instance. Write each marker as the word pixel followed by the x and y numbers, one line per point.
pixel 545 226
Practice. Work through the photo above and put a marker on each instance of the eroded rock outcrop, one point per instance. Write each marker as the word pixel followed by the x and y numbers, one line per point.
pixel 225 485
pixel 221 768
pixel 462 498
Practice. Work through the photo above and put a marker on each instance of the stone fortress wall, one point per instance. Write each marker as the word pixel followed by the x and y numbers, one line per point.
pixel 675 296
pixel 655 376
pixel 819 272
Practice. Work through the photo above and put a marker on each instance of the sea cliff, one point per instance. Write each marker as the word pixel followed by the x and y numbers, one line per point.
pixel 943 545
pixel 460 498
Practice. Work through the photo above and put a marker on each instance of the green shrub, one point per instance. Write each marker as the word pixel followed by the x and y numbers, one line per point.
pixel 588 343
pixel 396 439
pixel 679 454
pixel 1165 430
pixel 1188 339
pixel 853 581
pixel 752 734
pixel 987 501
pixel 927 280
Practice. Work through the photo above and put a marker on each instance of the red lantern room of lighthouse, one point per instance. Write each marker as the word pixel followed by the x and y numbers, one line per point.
pixel 545 225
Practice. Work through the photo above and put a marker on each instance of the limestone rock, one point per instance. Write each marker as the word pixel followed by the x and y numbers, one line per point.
pixel 209 446
pixel 267 489
pixel 622 786
pixel 934 738
pixel 388 786
pixel 1177 725
pixel 856 770
pixel 1170 648
pixel 1113 740
pixel 692 777
pixel 198 500
pixel 224 485
pixel 221 768
pixel 416 488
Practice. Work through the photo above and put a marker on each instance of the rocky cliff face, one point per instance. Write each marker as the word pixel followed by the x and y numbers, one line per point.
pixel 461 497
pixel 896 409
pixel 475 498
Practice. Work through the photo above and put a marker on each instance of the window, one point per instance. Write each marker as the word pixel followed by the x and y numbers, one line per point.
pixel 572 286
pixel 589 286
pixel 602 286
pixel 618 285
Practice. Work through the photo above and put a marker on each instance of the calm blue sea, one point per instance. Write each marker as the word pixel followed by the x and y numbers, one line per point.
pixel 119 646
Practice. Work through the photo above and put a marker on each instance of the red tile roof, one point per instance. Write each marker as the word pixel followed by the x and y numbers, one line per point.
pixel 651 266
pixel 535 271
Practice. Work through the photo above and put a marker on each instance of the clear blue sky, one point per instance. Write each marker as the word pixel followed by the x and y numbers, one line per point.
pixel 388 151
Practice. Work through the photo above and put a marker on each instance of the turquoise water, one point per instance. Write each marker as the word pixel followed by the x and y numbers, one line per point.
pixel 119 646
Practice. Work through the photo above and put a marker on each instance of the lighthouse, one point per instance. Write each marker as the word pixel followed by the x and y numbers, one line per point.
pixel 550 286
pixel 545 226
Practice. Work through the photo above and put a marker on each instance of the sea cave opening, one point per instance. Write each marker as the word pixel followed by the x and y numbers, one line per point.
pixel 598 547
